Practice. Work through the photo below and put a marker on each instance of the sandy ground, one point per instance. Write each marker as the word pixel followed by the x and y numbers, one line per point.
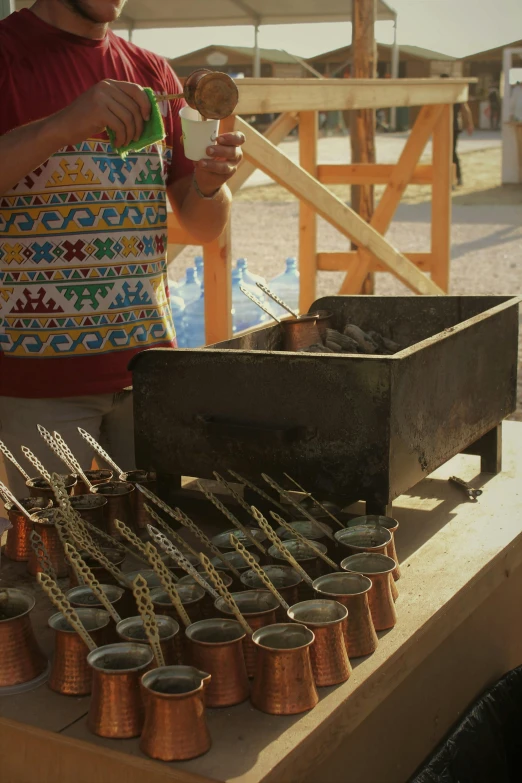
pixel 486 234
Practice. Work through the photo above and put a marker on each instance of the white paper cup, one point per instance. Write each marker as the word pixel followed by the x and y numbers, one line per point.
pixel 198 134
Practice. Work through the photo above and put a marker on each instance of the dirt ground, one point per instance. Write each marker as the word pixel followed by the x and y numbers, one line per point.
pixel 486 234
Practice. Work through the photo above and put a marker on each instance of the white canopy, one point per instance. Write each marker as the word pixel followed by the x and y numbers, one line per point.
pixel 141 14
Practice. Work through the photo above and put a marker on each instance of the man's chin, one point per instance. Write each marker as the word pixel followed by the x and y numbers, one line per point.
pixel 97 11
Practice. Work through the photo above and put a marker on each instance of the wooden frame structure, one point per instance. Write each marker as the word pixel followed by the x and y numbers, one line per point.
pixel 298 101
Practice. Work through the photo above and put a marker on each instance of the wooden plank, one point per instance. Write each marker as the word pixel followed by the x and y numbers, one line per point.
pixel 368 174
pixel 340 262
pixel 218 287
pixel 441 198
pixel 395 188
pixel 291 176
pixel 260 96
pixel 308 132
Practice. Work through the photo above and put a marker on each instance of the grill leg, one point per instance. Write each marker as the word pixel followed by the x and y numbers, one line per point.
pixel 489 449
pixel 381 509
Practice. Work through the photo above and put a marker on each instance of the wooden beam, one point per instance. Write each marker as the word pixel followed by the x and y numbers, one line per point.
pixel 218 288
pixel 292 177
pixel 308 132
pixel 368 174
pixel 397 184
pixel 441 197
pixel 260 96
pixel 340 262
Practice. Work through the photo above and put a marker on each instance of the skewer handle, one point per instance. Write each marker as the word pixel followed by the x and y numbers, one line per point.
pixel 42 555
pixel 56 596
pixel 5 451
pixel 131 537
pixel 48 438
pixel 175 553
pixel 277 300
pixel 35 462
pixel 168 583
pixel 299 537
pixel 83 571
pixel 259 303
pixel 238 546
pixel 7 495
pixel 296 505
pixel 146 611
pixel 257 490
pixel 283 551
pixel 224 593
pixel 167 531
pixel 100 450
pixel 317 503
pixel 77 468
pixel 231 518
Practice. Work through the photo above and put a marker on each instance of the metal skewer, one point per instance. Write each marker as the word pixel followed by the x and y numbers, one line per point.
pixel 100 450
pixel 258 491
pixel 277 300
pixel 131 537
pixel 224 593
pixel 317 503
pixel 299 537
pixel 42 555
pixel 88 578
pixel 53 445
pixel 175 554
pixel 237 497
pixel 167 582
pixel 231 518
pixel 7 495
pixel 279 545
pixel 148 616
pixel 242 550
pixel 296 505
pixel 73 461
pixel 56 596
pixel 5 451
pixel 35 462
pixel 169 533
pixel 259 303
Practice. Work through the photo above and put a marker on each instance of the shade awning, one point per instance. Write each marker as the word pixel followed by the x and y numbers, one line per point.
pixel 149 14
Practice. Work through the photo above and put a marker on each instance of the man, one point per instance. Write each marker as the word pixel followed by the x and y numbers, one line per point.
pixel 82 231
pixel 494 108
pixel 461 116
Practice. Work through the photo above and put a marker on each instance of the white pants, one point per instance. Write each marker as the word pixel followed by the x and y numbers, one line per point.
pixel 107 417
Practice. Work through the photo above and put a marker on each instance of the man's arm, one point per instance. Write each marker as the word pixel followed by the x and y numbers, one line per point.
pixel 202 202
pixel 467 117
pixel 120 105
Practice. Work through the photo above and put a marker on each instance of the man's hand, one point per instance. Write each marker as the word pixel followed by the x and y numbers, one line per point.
pixel 222 162
pixel 121 106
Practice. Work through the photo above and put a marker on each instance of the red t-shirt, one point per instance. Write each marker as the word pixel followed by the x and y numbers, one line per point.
pixel 83 238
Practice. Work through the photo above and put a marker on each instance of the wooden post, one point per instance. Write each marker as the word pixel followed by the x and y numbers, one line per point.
pixel 362 124
pixel 308 127
pixel 441 198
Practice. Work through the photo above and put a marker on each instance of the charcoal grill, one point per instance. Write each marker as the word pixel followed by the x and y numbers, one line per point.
pixel 346 427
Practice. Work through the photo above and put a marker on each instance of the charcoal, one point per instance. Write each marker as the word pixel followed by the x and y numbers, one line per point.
pixel 317 348
pixel 347 344
pixel 333 346
pixel 364 341
pixel 389 346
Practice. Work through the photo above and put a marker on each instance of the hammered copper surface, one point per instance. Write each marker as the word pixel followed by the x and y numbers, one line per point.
pixel 18 542
pixel 148 480
pixel 102 575
pixel 352 591
pixel 129 608
pixel 216 646
pixel 82 597
pixel 306 558
pixel 212 93
pixel 379 569
pixel 192 598
pixel 175 726
pixel 132 630
pixel 120 505
pixel 390 524
pixel 116 709
pixel 39 487
pixel 284 681
pixel 327 620
pixel 46 529
pixel 95 477
pixel 285 580
pixel 300 332
pixel 91 508
pixel 208 608
pixel 21 659
pixel 70 674
pixel 258 607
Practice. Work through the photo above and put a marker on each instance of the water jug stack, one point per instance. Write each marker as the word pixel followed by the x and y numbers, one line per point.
pixel 194 322
pixel 249 278
pixel 177 308
pixel 286 286
pixel 245 314
pixel 190 288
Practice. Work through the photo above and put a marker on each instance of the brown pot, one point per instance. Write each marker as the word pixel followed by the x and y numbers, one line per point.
pixel 379 568
pixel 102 575
pixel 216 645
pixel 390 524
pixel 327 620
pixel 91 508
pixel 120 505
pixel 40 488
pixel 21 658
pixel 95 477
pixel 191 596
pixel 352 591
pixel 236 560
pixel 132 630
pixel 307 558
pixel 208 609
pixel 44 525
pixel 18 542
pixel 82 597
pixel 70 673
pixel 285 580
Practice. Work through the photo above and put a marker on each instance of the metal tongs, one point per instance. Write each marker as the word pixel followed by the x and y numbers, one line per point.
pixel 472 494
pixel 259 303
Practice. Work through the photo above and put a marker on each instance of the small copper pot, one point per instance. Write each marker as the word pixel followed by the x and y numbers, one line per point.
pixel 259 609
pixel 82 597
pixel 44 525
pixel 312 531
pixel 18 543
pixel 92 509
pixel 40 488
pixel 299 333
pixel 192 597
pixel 371 538
pixel 352 591
pixel 324 322
pixel 222 540
pixel 216 645
pixel 149 481
pixel 21 658
pixel 307 559
pixel 284 682
pixel 390 524
pixel 327 619
pixel 212 93
pixel 132 630
pixel 128 604
pixel 379 568
pixel 284 579
pixel 120 504
pixel 117 709
pixel 102 575
pixel 70 673
pixel 95 477
pixel 175 726
pixel 235 559
pixel 208 609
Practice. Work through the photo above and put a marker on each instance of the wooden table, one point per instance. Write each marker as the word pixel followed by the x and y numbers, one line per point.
pixel 458 632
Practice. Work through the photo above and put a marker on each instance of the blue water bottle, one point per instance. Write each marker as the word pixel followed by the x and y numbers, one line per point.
pixel 286 286
pixel 199 264
pixel 194 322
pixel 249 277
pixel 177 308
pixel 245 313
pixel 190 289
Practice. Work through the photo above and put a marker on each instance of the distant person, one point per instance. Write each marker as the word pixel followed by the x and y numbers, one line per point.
pixel 461 116
pixel 494 108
